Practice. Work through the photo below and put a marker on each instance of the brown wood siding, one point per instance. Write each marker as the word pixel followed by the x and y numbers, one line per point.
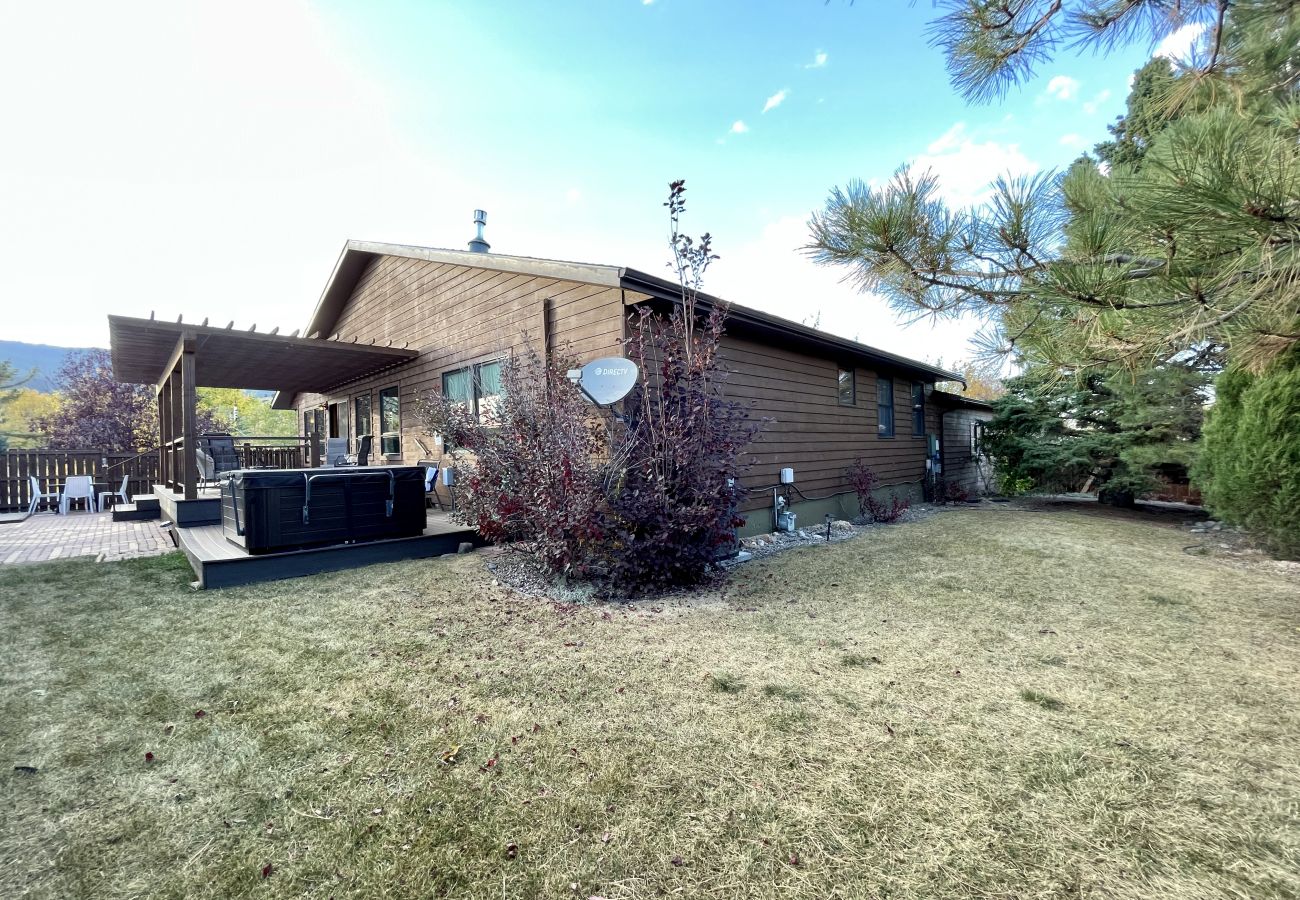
pixel 810 430
pixel 959 464
pixel 457 315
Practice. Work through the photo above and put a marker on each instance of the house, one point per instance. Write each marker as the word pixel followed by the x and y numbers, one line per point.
pixel 829 400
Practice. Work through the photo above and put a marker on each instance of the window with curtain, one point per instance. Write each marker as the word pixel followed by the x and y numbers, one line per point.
pixel 487 391
pixel 478 387
pixel 918 409
pixel 847 388
pixel 885 406
pixel 390 422
pixel 459 386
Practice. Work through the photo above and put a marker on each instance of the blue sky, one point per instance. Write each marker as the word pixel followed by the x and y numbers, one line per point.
pixel 210 159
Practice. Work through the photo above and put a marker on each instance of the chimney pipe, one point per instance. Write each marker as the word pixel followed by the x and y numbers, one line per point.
pixel 479 245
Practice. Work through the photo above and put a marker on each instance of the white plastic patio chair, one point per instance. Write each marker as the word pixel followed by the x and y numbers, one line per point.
pixel 118 495
pixel 51 499
pixel 77 487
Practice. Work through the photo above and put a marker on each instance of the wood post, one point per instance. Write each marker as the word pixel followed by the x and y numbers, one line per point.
pixel 189 417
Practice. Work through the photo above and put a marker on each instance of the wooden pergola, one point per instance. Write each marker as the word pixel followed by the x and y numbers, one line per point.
pixel 177 359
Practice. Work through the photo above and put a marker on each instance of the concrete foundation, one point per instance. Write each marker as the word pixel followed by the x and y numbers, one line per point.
pixel 812 513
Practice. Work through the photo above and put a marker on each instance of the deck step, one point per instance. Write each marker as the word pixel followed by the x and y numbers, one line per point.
pixel 143 508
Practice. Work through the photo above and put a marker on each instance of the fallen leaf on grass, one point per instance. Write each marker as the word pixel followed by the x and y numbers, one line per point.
pixel 677 861
pixel 198 713
pixel 148 757
pixel 512 850
pixel 267 870
pixel 449 756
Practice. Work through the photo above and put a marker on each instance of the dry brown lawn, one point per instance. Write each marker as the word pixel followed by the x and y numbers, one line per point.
pixel 987 703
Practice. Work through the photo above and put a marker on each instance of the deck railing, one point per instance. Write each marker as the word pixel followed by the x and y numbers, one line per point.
pixel 53 467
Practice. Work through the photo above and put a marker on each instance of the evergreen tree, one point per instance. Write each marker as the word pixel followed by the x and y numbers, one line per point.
pixel 1189 243
pixel 1052 434
pixel 1117 431
pixel 1249 470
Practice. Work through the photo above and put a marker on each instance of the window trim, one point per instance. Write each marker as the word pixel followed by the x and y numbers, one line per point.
pixel 853 385
pixel 881 380
pixel 918 390
pixel 396 390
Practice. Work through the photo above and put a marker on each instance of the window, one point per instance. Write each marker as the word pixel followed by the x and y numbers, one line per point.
pixel 918 409
pixel 364 424
pixel 885 406
pixel 976 437
pixel 477 387
pixel 390 422
pixel 847 387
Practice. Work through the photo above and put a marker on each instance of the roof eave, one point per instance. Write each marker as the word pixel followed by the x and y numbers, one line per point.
pixel 663 289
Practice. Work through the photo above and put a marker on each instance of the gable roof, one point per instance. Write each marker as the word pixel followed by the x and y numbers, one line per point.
pixel 357 254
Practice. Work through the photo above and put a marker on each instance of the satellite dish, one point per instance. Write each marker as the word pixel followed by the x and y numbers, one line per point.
pixel 607 380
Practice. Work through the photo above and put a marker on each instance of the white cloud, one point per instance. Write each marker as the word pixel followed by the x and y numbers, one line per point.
pixel 739 127
pixel 966 166
pixel 776 99
pixel 1063 87
pixel 818 61
pixel 1178 45
pixel 1070 140
pixel 1095 103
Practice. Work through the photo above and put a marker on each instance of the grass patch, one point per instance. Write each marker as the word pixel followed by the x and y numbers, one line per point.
pixel 858 659
pixel 412 729
pixel 725 683
pixel 1046 702
pixel 783 692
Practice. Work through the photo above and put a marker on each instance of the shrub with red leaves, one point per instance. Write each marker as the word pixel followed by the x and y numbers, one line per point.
pixel 864 481
pixel 642 501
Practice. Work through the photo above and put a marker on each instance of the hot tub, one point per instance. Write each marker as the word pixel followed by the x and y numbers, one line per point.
pixel 266 510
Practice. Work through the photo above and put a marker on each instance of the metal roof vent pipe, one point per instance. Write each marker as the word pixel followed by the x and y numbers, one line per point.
pixel 479 245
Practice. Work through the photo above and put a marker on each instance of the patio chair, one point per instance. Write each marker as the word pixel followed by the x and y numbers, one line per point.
pixel 215 455
pixel 362 457
pixel 118 495
pixel 51 498
pixel 77 487
pixel 431 473
pixel 336 451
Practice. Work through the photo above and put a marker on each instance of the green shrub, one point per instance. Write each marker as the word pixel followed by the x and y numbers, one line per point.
pixel 1249 471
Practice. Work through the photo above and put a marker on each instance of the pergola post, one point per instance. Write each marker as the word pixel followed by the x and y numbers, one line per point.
pixel 164 433
pixel 189 398
pixel 177 397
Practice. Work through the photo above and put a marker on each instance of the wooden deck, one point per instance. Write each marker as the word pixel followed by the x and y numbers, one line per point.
pixel 218 563
pixel 203 510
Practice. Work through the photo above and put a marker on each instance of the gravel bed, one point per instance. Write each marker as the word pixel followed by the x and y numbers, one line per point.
pixel 515 568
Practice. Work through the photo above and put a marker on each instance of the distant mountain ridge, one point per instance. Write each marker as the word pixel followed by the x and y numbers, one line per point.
pixel 47 359
pixel 44 358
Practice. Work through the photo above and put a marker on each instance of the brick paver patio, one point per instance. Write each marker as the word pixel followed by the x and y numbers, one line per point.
pixel 45 536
